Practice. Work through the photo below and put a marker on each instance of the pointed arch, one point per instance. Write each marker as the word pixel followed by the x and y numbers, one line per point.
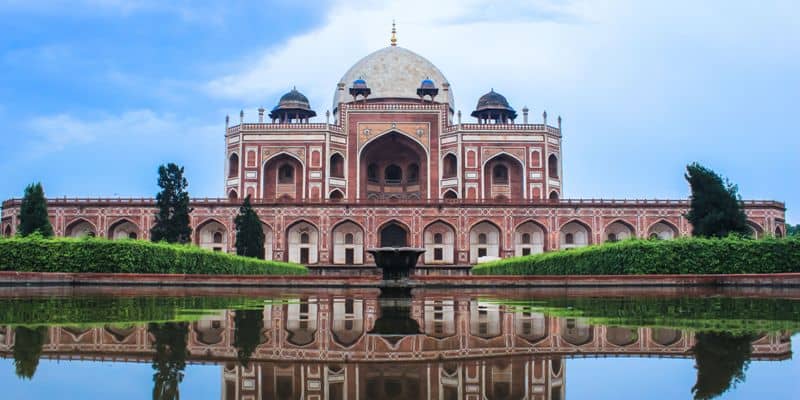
pixel 485 240
pixel 233 195
pixel 664 336
pixel 530 237
pixel 211 234
pixel 439 238
pixel 533 327
pixel 663 230
pixel 778 232
pixel 269 237
pixel 302 237
pixel 269 177
pixel 79 228
pixel 503 188
pixel 621 337
pixel 553 195
pixel 575 233
pixel 575 332
pixel 347 242
pixel 449 166
pixel 552 166
pixel 7 231
pixel 233 165
pixel 123 228
pixel 450 194
pixel 337 165
pixel 336 195
pixel 394 233
pixel 617 230
pixel 755 229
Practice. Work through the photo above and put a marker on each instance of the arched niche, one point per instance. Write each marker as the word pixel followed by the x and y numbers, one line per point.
pixel 233 165
pixel 123 229
pixel 348 244
pixel 337 166
pixel 268 240
pixel 531 326
pixel 439 239
pixel 283 178
pixel 301 321
pixel 529 238
pixel 484 320
pixel 80 228
pixel 393 166
pixel 212 235
pixel 303 240
pixel 618 230
pixel 393 234
pixel 348 320
pixel 503 177
pixel 575 234
pixel 484 242
pixel 575 331
pixel 449 166
pixel 662 230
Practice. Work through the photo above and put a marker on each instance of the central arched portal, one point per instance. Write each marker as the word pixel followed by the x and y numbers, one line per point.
pixel 393 166
pixel 394 235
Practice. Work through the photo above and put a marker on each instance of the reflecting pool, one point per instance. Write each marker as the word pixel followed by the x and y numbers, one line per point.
pixel 203 343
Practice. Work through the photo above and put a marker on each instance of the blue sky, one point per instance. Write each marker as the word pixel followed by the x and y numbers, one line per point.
pixel 95 94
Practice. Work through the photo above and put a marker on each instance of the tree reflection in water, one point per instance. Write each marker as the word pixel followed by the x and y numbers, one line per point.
pixel 247 335
pixel 169 341
pixel 720 360
pixel 28 343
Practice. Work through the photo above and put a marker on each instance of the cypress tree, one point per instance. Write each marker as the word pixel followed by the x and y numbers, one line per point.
pixel 249 233
pixel 33 212
pixel 172 220
pixel 716 208
pixel 248 325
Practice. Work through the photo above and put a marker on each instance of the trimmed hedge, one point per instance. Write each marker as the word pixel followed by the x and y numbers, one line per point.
pixel 730 255
pixel 36 254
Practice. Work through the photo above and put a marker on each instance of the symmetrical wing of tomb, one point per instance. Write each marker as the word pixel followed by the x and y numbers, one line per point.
pixel 392 162
pixel 325 345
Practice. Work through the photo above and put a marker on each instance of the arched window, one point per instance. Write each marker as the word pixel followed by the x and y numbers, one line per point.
pixel 482 238
pixel 500 174
pixel 449 166
pixel 526 238
pixel 217 237
pixel 286 174
pixel 336 195
pixel 554 195
pixel 450 195
pixel 337 166
pixel 233 166
pixel 552 166
pixel 372 173
pixel 569 238
pixel 393 175
pixel 413 173
pixel 304 238
pixel 348 238
pixel 437 238
pixel 233 195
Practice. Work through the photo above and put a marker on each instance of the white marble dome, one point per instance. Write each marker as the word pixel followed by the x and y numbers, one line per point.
pixel 393 72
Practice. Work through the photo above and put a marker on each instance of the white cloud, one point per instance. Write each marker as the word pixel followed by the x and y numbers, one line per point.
pixel 57 132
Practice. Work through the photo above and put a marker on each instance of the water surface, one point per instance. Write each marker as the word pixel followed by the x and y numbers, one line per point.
pixel 195 343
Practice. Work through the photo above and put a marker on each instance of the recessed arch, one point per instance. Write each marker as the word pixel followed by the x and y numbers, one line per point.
pixel 662 230
pixel 7 231
pixel 665 337
pixel 513 187
pixel 209 331
pixel 617 230
pixel 387 148
pixel 212 234
pixel 530 237
pixel 269 184
pixel 269 234
pixel 233 194
pixel 301 321
pixel 552 166
pixel 347 324
pixel 439 239
pixel 302 237
pixel 123 228
pixel 484 319
pixel 484 241
pixel 531 326
pixel 778 232
pixel 233 165
pixel 575 233
pixel 337 165
pixel 336 195
pixel 80 228
pixel 756 231
pixel 622 337
pixel 449 166
pixel 575 331
pixel 450 194
pixel 394 233
pixel 553 195
pixel 347 245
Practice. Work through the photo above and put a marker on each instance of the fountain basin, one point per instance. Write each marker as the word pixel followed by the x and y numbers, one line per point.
pixel 396 262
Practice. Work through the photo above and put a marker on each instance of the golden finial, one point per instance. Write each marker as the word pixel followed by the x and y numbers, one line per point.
pixel 394 37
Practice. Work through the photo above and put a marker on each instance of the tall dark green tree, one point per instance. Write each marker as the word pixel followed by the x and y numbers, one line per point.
pixel 172 220
pixel 716 208
pixel 249 232
pixel 248 325
pixel 792 230
pixel 28 343
pixel 169 361
pixel 33 212
pixel 721 360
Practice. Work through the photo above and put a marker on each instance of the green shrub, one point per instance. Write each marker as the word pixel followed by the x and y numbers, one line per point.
pixel 730 255
pixel 36 254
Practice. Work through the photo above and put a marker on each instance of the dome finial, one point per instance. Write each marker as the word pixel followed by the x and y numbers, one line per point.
pixel 394 35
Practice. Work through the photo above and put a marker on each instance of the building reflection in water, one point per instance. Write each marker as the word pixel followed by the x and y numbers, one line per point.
pixel 321 346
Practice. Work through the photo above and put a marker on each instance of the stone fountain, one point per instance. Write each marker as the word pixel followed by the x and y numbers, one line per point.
pixel 396 262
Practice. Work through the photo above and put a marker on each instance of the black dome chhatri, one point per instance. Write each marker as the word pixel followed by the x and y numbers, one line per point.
pixel 293 106
pixel 494 106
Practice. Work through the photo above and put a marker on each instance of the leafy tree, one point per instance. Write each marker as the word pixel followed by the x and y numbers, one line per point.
pixel 33 212
pixel 720 360
pixel 28 344
pixel 716 208
pixel 792 230
pixel 247 334
pixel 169 361
pixel 249 233
pixel 172 220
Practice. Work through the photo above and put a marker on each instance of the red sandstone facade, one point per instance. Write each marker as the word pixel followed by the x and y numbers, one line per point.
pixel 395 167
